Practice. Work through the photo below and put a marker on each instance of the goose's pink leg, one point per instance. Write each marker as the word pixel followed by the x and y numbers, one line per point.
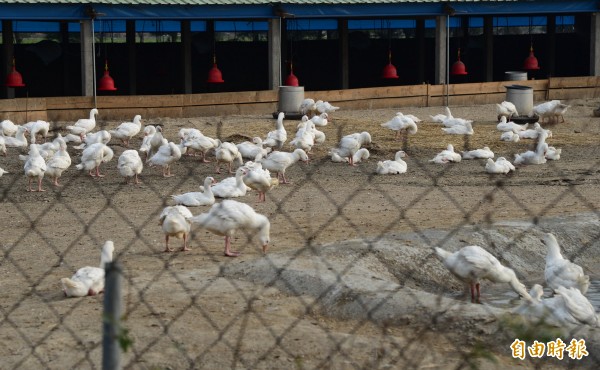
pixel 167 249
pixel 40 184
pixel 228 251
pixel 472 292
pixel 56 182
pixel 204 160
pixel 284 180
pixel 185 247
pixel 98 172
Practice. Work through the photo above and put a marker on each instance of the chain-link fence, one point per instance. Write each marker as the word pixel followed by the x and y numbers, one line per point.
pixel 350 278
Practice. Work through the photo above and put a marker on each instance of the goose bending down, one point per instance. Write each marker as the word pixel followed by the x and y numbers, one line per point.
pixel 397 166
pixel 506 109
pixel 277 137
pixel 84 124
pixel 35 167
pixel 197 198
pixel 227 188
pixel 401 124
pixel 75 139
pixel 471 264
pixel 325 107
pixel 38 127
pixel 259 179
pixel 279 161
pixel 251 149
pixel 60 162
pixel 361 154
pixel 19 141
pixel 227 152
pixel 550 110
pixel 166 155
pixel 227 217
pixel 447 155
pixel 201 143
pixel 175 221
pixel 127 130
pixel 307 107
pixel 320 120
pixel 501 166
pixel 8 128
pixel 89 280
pixel 93 156
pixel 560 271
pixel 130 165
pixel 350 144
pixel 102 136
pixel 567 307
pixel 482 153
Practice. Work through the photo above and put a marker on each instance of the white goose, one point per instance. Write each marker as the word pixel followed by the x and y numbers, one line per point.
pixel 175 222
pixel 560 271
pixel 60 162
pixel 93 156
pixel 2 146
pixel 277 137
pixel 251 149
pixel 567 307
pixel 197 198
pixel 361 154
pixel 532 157
pixel 482 153
pixel 201 143
pixel 279 161
pixel 510 136
pixel 19 141
pixel 320 120
pixel 227 152
pixel 550 110
pixel 471 264
pixel 38 127
pixel 440 118
pixel 130 165
pixel 350 144
pixel 35 167
pixel 307 107
pixel 464 128
pixel 397 166
pixel 89 280
pixel 501 166
pixel 127 130
pixel 447 155
pixel 325 107
pixel 259 179
pixel 8 128
pixel 228 216
pixel 84 124
pixel 229 189
pixel 305 138
pixel 156 141
pixel 3 171
pixel 553 154
pixel 401 123
pixel 505 126
pixel 166 155
pixel 102 136
pixel 506 109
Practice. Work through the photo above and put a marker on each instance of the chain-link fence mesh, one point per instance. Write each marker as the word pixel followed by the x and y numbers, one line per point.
pixel 350 278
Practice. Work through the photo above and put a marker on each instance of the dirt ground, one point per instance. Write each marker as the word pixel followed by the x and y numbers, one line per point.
pixel 349 252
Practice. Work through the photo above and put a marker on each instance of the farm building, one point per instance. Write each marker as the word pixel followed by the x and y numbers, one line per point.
pixel 156 47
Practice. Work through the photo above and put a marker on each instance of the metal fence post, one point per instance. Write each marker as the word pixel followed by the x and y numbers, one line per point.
pixel 111 353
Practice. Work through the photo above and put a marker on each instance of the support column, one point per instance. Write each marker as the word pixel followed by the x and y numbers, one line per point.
pixel 550 62
pixel 9 52
pixel 274 37
pixel 186 42
pixel 344 56
pixel 420 35
pixel 488 48
pixel 87 59
pixel 131 60
pixel 441 49
pixel 595 45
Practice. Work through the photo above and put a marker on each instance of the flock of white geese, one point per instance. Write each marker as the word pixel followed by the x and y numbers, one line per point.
pixel 470 264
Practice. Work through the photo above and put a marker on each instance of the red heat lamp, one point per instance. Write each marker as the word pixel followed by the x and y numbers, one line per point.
pixel 389 71
pixel 458 68
pixel 531 62
pixel 214 74
pixel 14 78
pixel 106 83
pixel 291 79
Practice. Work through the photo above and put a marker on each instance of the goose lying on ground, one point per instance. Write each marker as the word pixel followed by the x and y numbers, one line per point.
pixel 501 166
pixel 482 153
pixel 197 198
pixel 397 166
pixel 446 156
pixel 89 280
